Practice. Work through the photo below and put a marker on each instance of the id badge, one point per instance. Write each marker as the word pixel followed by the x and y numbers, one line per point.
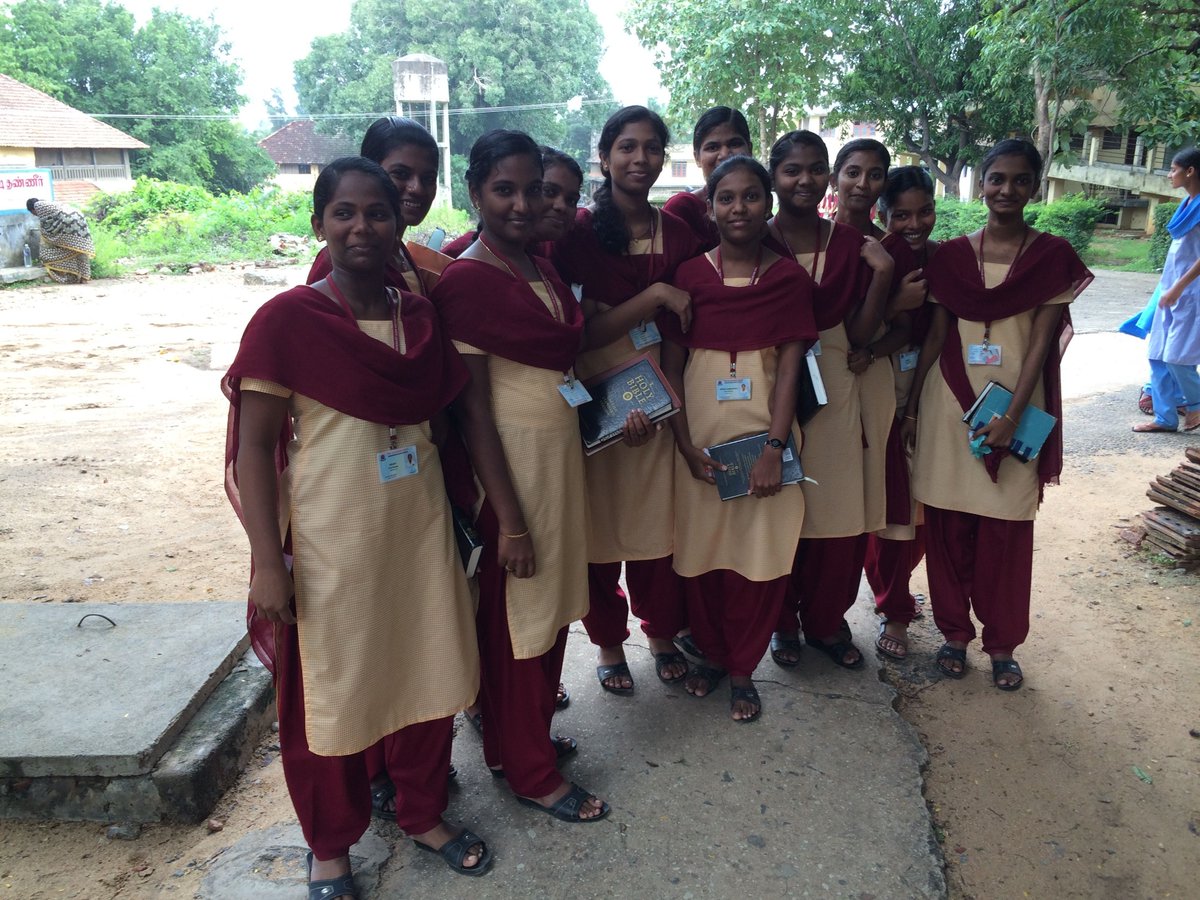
pixel 574 393
pixel 645 335
pixel 815 349
pixel 908 360
pixel 733 388
pixel 983 354
pixel 397 464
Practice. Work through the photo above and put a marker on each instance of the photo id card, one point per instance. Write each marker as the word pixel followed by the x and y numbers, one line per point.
pixel 908 360
pixel 983 354
pixel 396 464
pixel 645 335
pixel 733 388
pixel 574 393
pixel 815 349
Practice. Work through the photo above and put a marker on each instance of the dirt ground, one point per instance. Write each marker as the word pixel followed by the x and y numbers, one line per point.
pixel 1084 784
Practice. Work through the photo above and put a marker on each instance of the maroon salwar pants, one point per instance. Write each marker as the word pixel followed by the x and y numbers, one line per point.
pixel 516 695
pixel 732 617
pixel 981 563
pixel 656 595
pixel 824 585
pixel 332 794
pixel 889 566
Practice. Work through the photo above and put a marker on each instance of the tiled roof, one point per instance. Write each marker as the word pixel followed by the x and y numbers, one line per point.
pixel 300 142
pixel 29 118
pixel 75 193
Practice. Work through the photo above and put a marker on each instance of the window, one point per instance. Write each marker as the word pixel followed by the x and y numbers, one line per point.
pixel 863 130
pixel 303 169
pixel 679 169
pixel 43 156
pixel 825 128
pixel 1112 140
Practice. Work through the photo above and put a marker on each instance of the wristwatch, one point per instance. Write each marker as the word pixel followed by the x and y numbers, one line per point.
pixel 774 443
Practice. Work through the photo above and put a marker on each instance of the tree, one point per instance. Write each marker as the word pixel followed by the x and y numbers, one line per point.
pixel 926 85
pixel 500 54
pixel 769 59
pixel 92 56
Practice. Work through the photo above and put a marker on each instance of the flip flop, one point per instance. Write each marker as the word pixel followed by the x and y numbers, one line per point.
pixel 1007 667
pixel 748 695
pixel 951 654
pixel 791 644
pixel 662 660
pixel 455 850
pixel 568 806
pixel 617 669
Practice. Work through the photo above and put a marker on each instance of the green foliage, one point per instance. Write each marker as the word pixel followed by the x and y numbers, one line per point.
pixel 1074 217
pixel 956 217
pixel 768 59
pixel 500 53
pixel 453 221
pixel 458 182
pixel 92 56
pixel 1160 240
pixel 128 212
pixel 1122 254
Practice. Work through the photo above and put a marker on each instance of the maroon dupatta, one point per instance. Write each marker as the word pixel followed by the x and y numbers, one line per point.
pixel 845 277
pixel 693 211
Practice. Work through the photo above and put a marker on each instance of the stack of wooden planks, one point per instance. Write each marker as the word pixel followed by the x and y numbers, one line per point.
pixel 1175 530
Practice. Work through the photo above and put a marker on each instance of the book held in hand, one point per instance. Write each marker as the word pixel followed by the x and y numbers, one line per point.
pixel 636 384
pixel 1033 429
pixel 810 394
pixel 740 455
pixel 470 544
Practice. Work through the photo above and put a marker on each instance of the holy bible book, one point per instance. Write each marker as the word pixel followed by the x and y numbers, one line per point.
pixel 637 384
pixel 739 456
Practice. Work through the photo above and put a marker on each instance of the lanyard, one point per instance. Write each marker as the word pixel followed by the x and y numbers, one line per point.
pixel 753 275
pixel 394 306
pixel 987 326
pixel 650 273
pixel 816 250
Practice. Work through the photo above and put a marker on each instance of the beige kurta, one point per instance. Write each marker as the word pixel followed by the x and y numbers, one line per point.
pixel 849 497
pixel 631 497
pixel 945 474
pixel 754 537
pixel 385 620
pixel 540 436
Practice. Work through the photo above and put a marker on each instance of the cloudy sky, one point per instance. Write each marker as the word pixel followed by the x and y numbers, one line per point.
pixel 267 62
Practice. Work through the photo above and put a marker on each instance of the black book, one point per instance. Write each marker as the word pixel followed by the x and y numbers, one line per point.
pixel 810 394
pixel 740 456
pixel 637 384
pixel 470 544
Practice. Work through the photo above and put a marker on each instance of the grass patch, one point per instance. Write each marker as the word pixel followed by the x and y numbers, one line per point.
pixel 1120 254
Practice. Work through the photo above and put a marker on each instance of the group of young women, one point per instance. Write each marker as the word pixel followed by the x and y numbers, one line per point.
pixel 361 402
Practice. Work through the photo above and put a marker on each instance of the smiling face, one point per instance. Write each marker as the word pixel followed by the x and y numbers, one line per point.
pixel 358 224
pixel 860 181
pixel 912 217
pixel 414 171
pixel 1009 184
pixel 740 207
pixel 510 200
pixel 801 179
pixel 560 193
pixel 636 158
pixel 717 146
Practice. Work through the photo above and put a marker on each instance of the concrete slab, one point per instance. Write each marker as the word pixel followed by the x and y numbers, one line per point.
pixel 12 275
pixel 84 698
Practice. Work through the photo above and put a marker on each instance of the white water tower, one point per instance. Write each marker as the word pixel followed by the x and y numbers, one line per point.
pixel 421 83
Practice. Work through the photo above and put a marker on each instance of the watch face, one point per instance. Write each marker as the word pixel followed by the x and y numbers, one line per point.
pixel 775 442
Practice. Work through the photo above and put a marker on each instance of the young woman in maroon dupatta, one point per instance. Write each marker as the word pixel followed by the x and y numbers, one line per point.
pixel 844 441
pixel 623 252
pixel 907 205
pixel 720 133
pixel 860 173
pixel 520 329
pixel 332 468
pixel 752 319
pixel 1002 296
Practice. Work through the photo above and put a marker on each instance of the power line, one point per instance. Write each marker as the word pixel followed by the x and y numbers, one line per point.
pixel 463 111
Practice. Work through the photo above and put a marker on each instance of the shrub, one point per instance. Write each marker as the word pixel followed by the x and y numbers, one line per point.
pixel 128 212
pixel 958 217
pixel 1160 240
pixel 1074 217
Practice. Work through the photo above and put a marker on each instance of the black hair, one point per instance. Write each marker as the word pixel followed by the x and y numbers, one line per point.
pixel 1187 158
pixel 30 203
pixel 491 148
pixel 1013 147
pixel 749 163
pixel 607 219
pixel 331 176
pixel 554 157
pixel 390 132
pixel 783 147
pixel 715 118
pixel 861 145
pixel 901 179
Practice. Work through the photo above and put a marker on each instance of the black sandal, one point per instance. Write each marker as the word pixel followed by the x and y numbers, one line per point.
pixel 616 670
pixel 342 886
pixel 1007 667
pixel 568 806
pixel 455 850
pixel 708 675
pixel 780 643
pixel 687 646
pixel 748 695
pixel 670 658
pixel 562 697
pixel 952 654
pixel 837 650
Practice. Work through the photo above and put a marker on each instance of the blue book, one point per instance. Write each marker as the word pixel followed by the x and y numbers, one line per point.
pixel 1033 429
